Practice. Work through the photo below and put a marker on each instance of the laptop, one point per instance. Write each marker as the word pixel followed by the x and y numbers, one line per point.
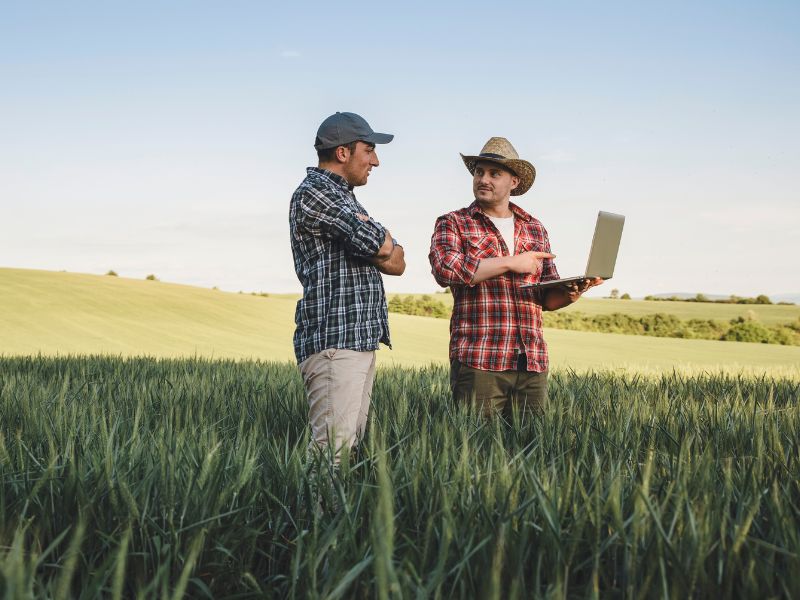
pixel 602 256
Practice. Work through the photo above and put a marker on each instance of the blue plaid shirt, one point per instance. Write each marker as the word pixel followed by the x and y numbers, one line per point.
pixel 343 304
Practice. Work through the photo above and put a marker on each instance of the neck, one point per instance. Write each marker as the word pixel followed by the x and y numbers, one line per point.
pixel 499 209
pixel 333 168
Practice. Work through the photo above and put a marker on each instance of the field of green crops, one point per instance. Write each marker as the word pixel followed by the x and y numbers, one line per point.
pixel 144 478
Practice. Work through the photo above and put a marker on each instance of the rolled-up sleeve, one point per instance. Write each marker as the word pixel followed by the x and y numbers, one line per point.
pixel 449 264
pixel 359 238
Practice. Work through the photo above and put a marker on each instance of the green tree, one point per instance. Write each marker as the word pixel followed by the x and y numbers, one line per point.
pixel 743 330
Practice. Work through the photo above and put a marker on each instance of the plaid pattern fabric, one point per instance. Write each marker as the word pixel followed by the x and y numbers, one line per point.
pixel 343 304
pixel 491 319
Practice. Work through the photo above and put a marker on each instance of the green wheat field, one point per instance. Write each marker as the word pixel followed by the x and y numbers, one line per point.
pixel 660 468
pixel 137 477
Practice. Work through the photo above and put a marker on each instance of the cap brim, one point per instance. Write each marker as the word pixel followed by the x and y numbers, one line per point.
pixel 378 138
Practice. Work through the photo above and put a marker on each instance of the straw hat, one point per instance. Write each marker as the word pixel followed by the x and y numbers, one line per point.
pixel 499 150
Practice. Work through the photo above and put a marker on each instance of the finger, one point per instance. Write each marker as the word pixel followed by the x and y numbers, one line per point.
pixel 543 255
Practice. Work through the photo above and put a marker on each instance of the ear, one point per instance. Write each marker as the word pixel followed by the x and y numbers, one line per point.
pixel 342 154
pixel 514 182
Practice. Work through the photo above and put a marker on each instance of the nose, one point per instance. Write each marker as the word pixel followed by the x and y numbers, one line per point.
pixel 374 162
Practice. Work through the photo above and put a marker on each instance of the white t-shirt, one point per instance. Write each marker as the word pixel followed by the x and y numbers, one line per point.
pixel 505 225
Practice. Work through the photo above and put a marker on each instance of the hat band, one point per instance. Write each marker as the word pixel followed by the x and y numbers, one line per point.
pixel 490 155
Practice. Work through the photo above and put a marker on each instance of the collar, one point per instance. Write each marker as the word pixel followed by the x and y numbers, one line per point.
pixel 330 176
pixel 475 209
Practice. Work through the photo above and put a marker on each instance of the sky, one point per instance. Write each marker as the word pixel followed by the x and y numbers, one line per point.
pixel 168 137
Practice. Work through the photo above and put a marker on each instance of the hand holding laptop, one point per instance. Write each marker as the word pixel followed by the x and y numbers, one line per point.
pixel 576 288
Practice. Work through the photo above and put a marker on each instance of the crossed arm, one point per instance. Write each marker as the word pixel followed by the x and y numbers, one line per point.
pixel 357 232
pixel 390 259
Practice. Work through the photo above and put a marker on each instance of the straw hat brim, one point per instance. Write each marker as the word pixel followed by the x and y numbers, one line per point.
pixel 521 168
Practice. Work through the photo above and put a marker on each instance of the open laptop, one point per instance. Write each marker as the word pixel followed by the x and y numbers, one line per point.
pixel 602 256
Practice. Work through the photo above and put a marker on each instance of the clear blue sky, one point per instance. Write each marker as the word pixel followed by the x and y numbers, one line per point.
pixel 167 138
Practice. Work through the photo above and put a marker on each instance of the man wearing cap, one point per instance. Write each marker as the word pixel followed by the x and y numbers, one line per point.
pixel 339 254
pixel 484 253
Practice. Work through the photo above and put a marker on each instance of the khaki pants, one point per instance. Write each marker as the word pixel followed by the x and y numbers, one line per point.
pixel 498 391
pixel 338 385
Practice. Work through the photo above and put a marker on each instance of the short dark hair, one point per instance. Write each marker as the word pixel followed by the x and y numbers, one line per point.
pixel 329 154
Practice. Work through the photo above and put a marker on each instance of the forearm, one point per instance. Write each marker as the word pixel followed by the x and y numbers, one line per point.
pixel 395 264
pixel 490 268
pixel 555 298
pixel 559 297
pixel 386 250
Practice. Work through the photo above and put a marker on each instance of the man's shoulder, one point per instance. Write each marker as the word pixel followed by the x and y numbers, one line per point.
pixel 314 185
pixel 459 215
pixel 314 179
pixel 535 225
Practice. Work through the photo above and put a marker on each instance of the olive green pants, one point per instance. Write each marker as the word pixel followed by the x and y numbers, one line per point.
pixel 498 391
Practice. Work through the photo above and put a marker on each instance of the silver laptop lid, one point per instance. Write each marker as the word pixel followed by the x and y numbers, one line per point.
pixel 605 245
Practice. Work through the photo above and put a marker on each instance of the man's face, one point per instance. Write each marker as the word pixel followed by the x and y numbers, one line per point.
pixel 492 184
pixel 359 163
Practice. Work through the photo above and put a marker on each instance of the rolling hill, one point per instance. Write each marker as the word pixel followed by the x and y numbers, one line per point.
pixel 66 313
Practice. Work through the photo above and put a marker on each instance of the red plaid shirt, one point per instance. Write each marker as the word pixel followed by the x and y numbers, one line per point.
pixel 492 318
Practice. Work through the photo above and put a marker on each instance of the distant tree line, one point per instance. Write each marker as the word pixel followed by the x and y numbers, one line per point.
pixel 740 329
pixel 760 299
pixel 423 306
pixel 614 295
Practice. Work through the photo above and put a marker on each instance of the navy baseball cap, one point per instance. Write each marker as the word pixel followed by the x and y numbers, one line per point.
pixel 344 127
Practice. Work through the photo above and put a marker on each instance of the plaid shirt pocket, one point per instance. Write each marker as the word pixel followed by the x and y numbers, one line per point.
pixel 527 244
pixel 484 246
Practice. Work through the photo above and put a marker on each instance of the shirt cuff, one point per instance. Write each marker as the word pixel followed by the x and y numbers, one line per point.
pixel 469 268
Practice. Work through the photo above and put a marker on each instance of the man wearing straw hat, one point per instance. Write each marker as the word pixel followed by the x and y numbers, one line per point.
pixel 484 253
pixel 339 254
